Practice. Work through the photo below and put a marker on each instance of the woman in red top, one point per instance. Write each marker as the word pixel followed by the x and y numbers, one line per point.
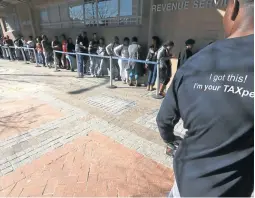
pixel 64 49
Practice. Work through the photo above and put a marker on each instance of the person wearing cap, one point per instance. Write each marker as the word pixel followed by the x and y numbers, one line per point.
pixel 186 53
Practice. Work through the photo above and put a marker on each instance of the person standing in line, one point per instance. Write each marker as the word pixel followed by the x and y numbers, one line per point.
pixel 57 46
pixel 122 52
pixel 134 53
pixel 84 49
pixel 110 52
pixel 69 57
pixel 93 45
pixel 78 46
pixel 216 156
pixel 186 53
pixel 47 51
pixel 31 44
pixel 64 49
pixel 152 56
pixel 39 50
pixel 101 61
pixel 165 72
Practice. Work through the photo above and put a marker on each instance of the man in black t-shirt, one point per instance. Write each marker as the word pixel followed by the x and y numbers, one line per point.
pixel 213 92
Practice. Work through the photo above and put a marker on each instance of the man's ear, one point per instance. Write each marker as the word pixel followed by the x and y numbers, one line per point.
pixel 235 10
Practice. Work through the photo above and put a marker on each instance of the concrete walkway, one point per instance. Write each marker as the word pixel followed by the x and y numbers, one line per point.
pixel 62 136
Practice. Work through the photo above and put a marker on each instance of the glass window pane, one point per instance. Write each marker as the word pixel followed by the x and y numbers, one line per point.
pixel 64 12
pixel 76 12
pixel 44 16
pixel 54 15
pixel 126 7
pixel 108 12
pixel 107 9
pixel 90 13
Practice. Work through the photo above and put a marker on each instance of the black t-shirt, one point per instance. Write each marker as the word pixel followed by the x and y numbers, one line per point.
pixel 71 48
pixel 213 92
pixel 85 43
pixel 93 48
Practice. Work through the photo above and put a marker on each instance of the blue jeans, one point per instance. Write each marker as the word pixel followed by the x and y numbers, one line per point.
pixel 133 73
pixel 80 66
pixel 152 74
pixel 72 62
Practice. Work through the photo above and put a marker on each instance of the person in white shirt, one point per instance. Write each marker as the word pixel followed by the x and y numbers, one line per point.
pixel 122 52
pixel 110 52
pixel 31 44
pixel 134 53
pixel 100 66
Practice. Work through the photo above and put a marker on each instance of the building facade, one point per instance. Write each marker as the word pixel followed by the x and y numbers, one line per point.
pixel 175 20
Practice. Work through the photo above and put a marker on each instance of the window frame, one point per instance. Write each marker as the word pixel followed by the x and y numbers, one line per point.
pixel 116 21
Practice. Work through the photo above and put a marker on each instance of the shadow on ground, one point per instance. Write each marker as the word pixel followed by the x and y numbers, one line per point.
pixel 80 91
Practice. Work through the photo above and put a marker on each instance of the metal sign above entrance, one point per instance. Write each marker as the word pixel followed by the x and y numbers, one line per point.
pixel 187 4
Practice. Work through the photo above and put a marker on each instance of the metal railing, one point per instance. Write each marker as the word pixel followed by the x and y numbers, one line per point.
pixel 111 58
pixel 7 50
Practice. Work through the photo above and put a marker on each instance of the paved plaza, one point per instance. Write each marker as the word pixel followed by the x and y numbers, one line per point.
pixel 63 136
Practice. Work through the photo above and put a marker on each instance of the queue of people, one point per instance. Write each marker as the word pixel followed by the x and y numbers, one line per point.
pixel 128 71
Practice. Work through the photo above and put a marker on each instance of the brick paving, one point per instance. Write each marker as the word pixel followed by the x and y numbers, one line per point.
pixel 89 166
pixel 112 134
pixel 17 117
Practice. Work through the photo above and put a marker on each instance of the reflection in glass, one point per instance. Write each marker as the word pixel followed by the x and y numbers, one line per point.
pixel 44 16
pixel 90 13
pixel 108 12
pixel 76 13
pixel 126 7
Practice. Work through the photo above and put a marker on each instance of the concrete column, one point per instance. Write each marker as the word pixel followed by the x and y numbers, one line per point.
pixel 31 18
pixel 151 20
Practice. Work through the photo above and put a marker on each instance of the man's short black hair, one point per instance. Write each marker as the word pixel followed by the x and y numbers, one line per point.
pixel 134 39
pixel 126 39
pixel 190 42
pixel 94 34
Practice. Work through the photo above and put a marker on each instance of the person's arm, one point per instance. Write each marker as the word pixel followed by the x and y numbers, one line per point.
pixel 117 50
pixel 160 54
pixel 108 49
pixel 42 43
pixel 169 114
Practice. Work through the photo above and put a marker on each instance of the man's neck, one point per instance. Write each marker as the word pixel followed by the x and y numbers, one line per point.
pixel 239 33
